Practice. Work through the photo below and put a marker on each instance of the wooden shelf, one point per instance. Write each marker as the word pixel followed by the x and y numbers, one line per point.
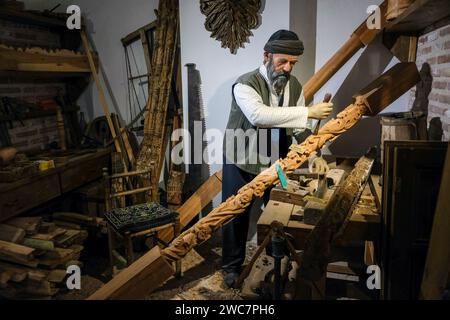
pixel 419 16
pixel 40 60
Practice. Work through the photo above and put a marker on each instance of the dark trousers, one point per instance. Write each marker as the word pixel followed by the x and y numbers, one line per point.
pixel 234 234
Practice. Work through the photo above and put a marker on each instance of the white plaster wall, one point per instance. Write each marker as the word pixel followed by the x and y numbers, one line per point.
pixel 336 20
pixel 218 67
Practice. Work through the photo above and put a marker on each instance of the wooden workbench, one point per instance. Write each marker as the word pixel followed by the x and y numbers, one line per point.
pixel 22 195
pixel 363 225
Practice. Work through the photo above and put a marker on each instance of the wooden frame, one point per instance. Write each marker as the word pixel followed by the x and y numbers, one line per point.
pixel 411 179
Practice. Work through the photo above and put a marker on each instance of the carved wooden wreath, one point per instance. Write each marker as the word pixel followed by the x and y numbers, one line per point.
pixel 231 21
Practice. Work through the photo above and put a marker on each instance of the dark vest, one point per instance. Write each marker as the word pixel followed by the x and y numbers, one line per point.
pixel 243 152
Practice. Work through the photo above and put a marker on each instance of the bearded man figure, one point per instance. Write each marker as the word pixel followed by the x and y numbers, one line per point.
pixel 267 111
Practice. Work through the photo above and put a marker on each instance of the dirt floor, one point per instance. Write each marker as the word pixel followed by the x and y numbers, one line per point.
pixel 202 278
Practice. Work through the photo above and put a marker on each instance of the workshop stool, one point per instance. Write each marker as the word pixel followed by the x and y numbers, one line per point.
pixel 126 223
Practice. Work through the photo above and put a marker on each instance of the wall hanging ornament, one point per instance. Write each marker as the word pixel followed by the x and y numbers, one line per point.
pixel 231 21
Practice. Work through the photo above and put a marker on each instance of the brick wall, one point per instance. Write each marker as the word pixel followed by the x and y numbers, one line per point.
pixel 24 35
pixel 31 91
pixel 434 49
pixel 32 134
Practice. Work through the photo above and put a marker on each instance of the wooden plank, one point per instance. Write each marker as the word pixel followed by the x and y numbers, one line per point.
pixel 15 253
pixel 28 194
pixel 86 171
pixel 294 196
pixel 58 257
pixel 138 280
pixel 18 273
pixel 49 236
pixel 419 15
pixel 390 86
pixel 56 276
pixel 29 224
pixel 11 233
pixel 276 211
pixel 437 266
pixel 195 204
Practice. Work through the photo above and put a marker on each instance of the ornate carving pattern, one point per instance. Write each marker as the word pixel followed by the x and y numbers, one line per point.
pixel 235 205
pixel 231 21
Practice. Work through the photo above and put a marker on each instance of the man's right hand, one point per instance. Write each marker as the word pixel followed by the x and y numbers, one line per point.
pixel 320 111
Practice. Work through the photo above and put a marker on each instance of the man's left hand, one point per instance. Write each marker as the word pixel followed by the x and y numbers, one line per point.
pixel 319 165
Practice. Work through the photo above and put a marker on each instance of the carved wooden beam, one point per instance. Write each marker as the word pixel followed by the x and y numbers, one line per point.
pixel 153 145
pixel 373 99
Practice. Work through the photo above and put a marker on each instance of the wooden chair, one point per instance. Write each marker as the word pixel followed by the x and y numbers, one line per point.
pixel 116 196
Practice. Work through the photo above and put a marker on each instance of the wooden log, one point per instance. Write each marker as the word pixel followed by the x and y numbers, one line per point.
pixel 138 280
pixel 195 204
pixel 11 233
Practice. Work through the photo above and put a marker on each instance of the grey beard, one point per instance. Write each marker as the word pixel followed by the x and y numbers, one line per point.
pixel 280 83
pixel 277 80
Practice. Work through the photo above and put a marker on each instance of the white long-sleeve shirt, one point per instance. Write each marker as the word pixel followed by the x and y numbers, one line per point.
pixel 273 116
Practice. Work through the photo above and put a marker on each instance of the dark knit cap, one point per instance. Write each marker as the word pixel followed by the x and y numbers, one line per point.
pixel 285 42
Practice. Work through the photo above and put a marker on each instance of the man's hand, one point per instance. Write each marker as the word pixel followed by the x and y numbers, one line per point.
pixel 320 111
pixel 319 165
